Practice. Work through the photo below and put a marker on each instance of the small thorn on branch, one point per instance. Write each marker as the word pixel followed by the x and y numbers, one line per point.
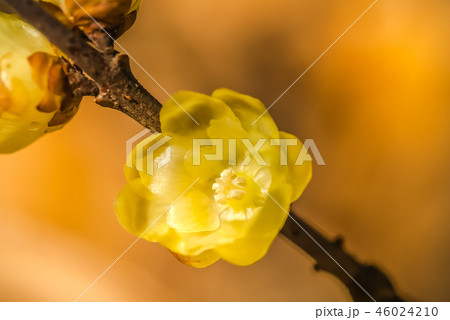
pixel 339 242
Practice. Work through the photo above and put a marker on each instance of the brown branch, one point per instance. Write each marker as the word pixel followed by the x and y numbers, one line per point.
pixel 365 282
pixel 117 87
pixel 79 84
pixel 106 74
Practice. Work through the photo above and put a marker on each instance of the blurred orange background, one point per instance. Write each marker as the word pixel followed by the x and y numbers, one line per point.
pixel 377 106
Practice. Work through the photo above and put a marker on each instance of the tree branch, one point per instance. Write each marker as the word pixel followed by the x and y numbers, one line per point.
pixel 117 87
pixel 106 74
pixel 368 284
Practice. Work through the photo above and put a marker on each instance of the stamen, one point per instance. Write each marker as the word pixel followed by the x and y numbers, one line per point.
pixel 236 196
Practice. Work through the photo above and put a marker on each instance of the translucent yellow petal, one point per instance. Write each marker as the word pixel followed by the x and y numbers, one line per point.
pixel 190 244
pixel 135 5
pixel 131 171
pixel 199 261
pixel 254 237
pixel 16 133
pixel 168 177
pixel 298 175
pixel 21 38
pixel 187 115
pixel 225 135
pixel 272 155
pixel 251 112
pixel 226 128
pixel 194 212
pixel 195 243
pixel 138 209
pixel 266 220
pixel 230 132
pixel 204 170
pixel 245 251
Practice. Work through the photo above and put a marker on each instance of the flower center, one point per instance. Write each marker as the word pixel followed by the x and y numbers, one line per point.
pixel 237 195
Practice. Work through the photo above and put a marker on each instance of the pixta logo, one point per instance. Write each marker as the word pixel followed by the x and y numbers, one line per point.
pixel 253 151
pixel 144 160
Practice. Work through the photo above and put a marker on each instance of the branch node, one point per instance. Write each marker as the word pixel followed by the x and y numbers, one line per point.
pixel 339 242
pixel 317 267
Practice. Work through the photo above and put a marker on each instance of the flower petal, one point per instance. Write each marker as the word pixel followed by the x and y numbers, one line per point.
pixel 245 251
pixel 138 209
pixel 251 112
pixel 194 212
pixel 268 218
pixel 130 170
pixel 205 170
pixel 168 177
pixel 187 115
pixel 199 261
pixel 298 175
pixel 253 238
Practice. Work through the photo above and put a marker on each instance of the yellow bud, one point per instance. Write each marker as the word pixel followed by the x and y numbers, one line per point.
pixel 33 95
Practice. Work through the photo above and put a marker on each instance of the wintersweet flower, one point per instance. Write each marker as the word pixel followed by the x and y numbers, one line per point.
pixel 217 189
pixel 33 99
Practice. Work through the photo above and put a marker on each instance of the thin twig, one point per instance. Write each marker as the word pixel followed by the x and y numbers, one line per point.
pixel 364 282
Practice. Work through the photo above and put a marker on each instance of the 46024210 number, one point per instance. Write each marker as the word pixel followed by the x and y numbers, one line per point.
pixel 412 311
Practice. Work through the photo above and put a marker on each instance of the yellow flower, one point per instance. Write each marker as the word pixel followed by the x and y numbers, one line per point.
pixel 112 13
pixel 229 207
pixel 32 93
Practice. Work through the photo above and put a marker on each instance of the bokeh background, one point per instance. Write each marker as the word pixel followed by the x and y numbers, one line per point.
pixel 377 106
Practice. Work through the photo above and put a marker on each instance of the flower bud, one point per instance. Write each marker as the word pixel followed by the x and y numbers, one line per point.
pixel 34 98
pixel 112 14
